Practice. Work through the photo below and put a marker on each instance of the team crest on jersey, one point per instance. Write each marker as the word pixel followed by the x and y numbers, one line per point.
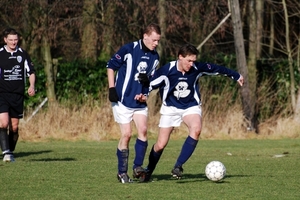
pixel 208 65
pixel 141 69
pixel 19 59
pixel 182 90
pixel 117 56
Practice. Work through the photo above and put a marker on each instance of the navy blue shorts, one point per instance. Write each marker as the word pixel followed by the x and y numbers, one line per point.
pixel 13 104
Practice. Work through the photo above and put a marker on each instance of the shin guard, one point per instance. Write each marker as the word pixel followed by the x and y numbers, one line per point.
pixel 4 143
pixel 13 139
pixel 122 160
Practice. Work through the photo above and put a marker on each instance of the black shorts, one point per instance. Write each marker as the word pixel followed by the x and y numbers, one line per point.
pixel 13 104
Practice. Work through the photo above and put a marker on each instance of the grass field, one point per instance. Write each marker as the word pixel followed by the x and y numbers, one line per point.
pixel 256 169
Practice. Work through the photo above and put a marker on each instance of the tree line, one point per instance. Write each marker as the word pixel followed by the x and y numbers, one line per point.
pixel 260 33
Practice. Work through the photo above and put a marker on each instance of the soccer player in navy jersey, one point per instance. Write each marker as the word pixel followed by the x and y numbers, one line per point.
pixel 134 63
pixel 179 90
pixel 15 65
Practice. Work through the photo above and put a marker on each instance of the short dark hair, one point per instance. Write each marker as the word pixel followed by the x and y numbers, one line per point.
pixel 188 49
pixel 152 27
pixel 10 31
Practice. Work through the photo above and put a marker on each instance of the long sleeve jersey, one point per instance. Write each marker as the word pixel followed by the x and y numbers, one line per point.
pixel 14 68
pixel 182 90
pixel 130 60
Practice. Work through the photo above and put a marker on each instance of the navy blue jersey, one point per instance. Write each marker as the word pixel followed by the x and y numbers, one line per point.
pixel 130 60
pixel 182 90
pixel 14 68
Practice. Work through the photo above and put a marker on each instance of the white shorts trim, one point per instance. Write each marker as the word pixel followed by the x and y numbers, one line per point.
pixel 172 116
pixel 124 115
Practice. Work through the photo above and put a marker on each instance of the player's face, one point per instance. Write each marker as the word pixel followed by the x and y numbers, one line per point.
pixel 151 41
pixel 11 42
pixel 185 63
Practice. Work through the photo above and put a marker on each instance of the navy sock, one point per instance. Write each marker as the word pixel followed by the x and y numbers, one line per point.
pixel 140 151
pixel 122 160
pixel 153 159
pixel 187 150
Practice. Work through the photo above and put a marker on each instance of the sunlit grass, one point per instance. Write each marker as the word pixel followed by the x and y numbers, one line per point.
pixel 256 169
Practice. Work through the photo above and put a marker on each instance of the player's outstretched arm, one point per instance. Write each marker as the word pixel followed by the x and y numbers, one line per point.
pixel 241 80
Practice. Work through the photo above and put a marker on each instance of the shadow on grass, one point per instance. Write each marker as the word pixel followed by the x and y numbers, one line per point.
pixel 53 159
pixel 24 154
pixel 187 178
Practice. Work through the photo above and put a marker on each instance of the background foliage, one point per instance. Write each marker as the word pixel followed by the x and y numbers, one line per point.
pixel 78 83
pixel 82 35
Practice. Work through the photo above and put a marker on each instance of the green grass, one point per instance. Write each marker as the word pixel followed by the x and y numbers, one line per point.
pixel 87 170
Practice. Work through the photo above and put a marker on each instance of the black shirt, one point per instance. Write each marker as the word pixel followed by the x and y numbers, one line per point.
pixel 14 67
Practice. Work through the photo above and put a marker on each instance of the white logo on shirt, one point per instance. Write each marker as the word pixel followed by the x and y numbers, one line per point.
pixel 141 69
pixel 19 59
pixel 181 90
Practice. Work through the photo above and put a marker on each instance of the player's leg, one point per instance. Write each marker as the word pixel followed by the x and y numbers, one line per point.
pixel 123 153
pixel 13 133
pixel 157 149
pixel 123 117
pixel 170 118
pixel 193 122
pixel 4 142
pixel 141 144
pixel 15 113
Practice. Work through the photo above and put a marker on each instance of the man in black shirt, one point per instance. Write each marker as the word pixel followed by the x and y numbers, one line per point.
pixel 15 65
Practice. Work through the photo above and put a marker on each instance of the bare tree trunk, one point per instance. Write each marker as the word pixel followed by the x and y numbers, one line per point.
pixel 252 58
pixel 46 53
pixel 298 53
pixel 297 109
pixel 89 36
pixel 163 27
pixel 255 35
pixel 241 63
pixel 289 53
pixel 154 101
pixel 259 4
pixel 107 31
pixel 272 31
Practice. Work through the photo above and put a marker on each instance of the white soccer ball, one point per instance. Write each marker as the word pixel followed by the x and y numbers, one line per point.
pixel 215 171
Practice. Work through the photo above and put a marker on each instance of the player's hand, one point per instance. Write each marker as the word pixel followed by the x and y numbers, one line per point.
pixel 31 91
pixel 241 80
pixel 112 95
pixel 144 79
pixel 141 98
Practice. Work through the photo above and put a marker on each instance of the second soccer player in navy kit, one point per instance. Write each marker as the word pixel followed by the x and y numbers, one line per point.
pixel 178 85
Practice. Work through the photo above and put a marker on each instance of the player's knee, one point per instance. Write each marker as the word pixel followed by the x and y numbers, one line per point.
pixel 195 134
pixel 196 131
pixel 126 136
pixel 142 130
pixel 159 147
